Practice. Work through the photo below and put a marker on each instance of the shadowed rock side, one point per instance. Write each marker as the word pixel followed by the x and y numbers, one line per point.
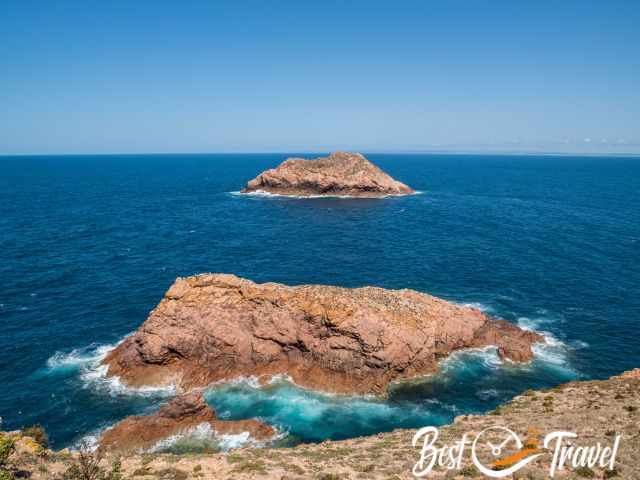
pixel 214 327
pixel 179 416
pixel 338 174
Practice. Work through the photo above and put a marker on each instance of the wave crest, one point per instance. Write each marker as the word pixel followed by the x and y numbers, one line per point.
pixel 86 364
pixel 264 193
pixel 203 438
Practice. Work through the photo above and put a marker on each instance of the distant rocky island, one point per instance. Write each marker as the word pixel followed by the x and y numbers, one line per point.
pixel 339 174
pixel 215 327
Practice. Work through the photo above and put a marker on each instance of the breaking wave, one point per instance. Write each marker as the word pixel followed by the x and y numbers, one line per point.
pixel 204 438
pixel 263 193
pixel 478 306
pixel 553 353
pixel 86 364
pixel 78 358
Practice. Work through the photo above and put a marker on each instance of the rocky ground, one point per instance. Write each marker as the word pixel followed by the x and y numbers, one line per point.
pixel 597 411
pixel 340 173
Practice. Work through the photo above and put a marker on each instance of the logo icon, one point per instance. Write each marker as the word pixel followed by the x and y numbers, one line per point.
pixel 509 441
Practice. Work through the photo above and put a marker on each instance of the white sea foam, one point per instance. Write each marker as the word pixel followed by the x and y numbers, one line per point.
pixel 280 378
pixel 477 305
pixel 198 438
pixel 229 441
pixel 553 352
pixel 204 435
pixel 488 394
pixel 96 378
pixel 254 382
pixel 578 344
pixel 250 381
pixel 86 363
pixel 263 193
pixel 90 440
pixel 486 356
pixel 79 357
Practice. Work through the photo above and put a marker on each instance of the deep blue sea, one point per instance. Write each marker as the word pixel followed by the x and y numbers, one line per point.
pixel 90 244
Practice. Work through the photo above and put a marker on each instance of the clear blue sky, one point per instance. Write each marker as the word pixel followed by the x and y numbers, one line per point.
pixel 217 76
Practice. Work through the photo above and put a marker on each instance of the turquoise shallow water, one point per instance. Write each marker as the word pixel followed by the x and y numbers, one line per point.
pixel 90 244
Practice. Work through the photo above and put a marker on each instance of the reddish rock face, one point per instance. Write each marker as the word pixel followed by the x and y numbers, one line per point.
pixel 628 375
pixel 214 327
pixel 179 416
pixel 340 173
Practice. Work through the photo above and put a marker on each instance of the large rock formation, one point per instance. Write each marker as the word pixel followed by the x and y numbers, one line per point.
pixel 338 174
pixel 179 416
pixel 214 327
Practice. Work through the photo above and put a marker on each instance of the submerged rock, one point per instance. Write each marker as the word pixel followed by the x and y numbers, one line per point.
pixel 340 173
pixel 215 327
pixel 181 415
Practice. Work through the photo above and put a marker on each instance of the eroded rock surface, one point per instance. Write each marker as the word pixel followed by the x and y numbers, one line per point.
pixel 214 327
pixel 340 173
pixel 179 416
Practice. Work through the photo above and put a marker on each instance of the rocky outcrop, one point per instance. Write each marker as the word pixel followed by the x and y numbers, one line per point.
pixel 340 173
pixel 215 327
pixel 629 375
pixel 181 415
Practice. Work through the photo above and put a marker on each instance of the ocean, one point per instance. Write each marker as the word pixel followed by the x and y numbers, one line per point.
pixel 91 243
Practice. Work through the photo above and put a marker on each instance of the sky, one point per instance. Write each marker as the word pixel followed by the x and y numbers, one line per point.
pixel 293 76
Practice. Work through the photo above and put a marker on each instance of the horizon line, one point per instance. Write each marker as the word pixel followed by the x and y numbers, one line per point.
pixel 322 152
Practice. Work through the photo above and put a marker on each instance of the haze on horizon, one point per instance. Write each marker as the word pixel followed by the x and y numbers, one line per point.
pixel 290 76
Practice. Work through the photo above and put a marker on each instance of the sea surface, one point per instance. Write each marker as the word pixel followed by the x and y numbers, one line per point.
pixel 90 244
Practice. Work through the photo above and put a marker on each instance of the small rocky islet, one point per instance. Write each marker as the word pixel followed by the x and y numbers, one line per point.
pixel 182 414
pixel 339 174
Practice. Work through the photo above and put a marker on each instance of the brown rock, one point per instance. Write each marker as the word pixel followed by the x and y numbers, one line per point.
pixel 340 173
pixel 513 343
pixel 629 374
pixel 214 327
pixel 178 416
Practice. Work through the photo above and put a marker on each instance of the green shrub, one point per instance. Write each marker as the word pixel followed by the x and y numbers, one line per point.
pixel 251 467
pixel 329 476
pixel 611 473
pixel 469 471
pixel 7 447
pixel 141 472
pixel 6 475
pixel 86 467
pixel 585 472
pixel 38 433
pixel 116 470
